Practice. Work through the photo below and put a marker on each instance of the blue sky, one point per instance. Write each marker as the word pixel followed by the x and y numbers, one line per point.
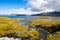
pixel 7 5
pixel 13 4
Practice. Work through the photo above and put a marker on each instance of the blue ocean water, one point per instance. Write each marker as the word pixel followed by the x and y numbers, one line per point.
pixel 18 16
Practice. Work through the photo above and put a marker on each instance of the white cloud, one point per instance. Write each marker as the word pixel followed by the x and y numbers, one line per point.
pixel 55 4
pixel 45 4
pixel 26 11
pixel 5 12
pixel 29 11
pixel 39 6
pixel 22 11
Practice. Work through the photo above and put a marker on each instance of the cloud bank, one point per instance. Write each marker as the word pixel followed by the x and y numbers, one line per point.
pixel 45 4
pixel 37 6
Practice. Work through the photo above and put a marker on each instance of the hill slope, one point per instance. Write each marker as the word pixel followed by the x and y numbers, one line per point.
pixel 47 14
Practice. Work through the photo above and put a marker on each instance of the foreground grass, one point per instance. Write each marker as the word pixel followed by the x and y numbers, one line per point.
pixel 50 26
pixel 12 28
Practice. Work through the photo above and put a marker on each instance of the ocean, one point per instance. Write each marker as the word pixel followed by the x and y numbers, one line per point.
pixel 18 16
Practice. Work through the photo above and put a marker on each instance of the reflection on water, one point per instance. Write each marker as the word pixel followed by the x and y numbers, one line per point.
pixel 30 18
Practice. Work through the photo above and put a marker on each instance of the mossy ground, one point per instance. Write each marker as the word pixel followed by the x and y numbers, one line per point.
pixel 11 27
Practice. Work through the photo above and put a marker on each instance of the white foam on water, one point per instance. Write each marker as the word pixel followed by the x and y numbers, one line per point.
pixel 6 38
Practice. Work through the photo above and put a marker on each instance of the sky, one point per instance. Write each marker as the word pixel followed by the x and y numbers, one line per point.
pixel 28 7
pixel 12 4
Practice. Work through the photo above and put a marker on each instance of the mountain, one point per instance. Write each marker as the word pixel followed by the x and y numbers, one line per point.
pixel 18 15
pixel 47 14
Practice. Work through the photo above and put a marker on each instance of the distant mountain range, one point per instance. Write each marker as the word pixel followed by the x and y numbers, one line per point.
pixel 18 14
pixel 47 14
pixel 39 14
